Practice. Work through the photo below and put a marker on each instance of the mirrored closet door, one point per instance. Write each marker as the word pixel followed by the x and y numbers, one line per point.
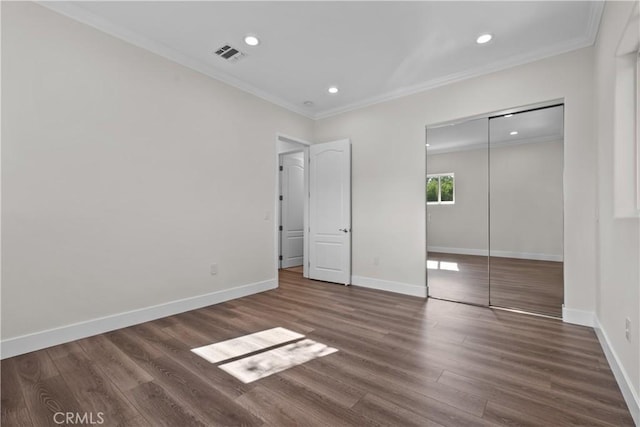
pixel 526 210
pixel 457 212
pixel 494 193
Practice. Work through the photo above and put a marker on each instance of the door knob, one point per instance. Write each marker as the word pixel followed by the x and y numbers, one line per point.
pixel 344 230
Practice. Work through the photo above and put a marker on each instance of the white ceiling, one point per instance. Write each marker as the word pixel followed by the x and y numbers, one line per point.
pixel 542 125
pixel 373 51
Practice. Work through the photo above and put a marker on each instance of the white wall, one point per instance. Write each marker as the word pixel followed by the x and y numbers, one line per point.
pixel 389 166
pixel 526 218
pixel 462 227
pixel 125 176
pixel 525 207
pixel 618 238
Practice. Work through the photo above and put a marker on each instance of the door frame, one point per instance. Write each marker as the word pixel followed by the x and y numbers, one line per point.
pixel 286 144
pixel 281 237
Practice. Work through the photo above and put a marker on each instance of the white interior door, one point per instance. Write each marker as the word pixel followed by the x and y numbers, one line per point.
pixel 330 212
pixel 292 209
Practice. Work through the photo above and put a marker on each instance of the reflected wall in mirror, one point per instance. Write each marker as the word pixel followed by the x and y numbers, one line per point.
pixel 526 211
pixel 457 212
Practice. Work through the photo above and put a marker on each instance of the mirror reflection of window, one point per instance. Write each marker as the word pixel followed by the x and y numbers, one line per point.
pixel 446 188
pixel 433 189
pixel 457 212
pixel 441 188
pixel 495 211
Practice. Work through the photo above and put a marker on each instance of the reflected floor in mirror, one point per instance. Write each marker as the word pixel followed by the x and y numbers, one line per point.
pixel 522 284
pixel 462 278
pixel 526 284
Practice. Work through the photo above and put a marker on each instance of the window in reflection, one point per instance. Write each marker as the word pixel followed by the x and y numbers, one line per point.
pixel 441 189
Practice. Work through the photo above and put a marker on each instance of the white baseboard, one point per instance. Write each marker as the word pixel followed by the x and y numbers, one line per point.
pixel 50 337
pixel 624 382
pixel 458 251
pixel 386 285
pixel 501 254
pixel 578 317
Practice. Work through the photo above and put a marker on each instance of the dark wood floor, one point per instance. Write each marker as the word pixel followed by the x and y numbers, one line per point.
pixel 522 284
pixel 402 361
pixel 469 284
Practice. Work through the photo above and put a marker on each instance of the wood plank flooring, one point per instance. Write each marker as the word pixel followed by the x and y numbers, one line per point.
pixel 523 284
pixel 402 361
pixel 468 282
pixel 526 284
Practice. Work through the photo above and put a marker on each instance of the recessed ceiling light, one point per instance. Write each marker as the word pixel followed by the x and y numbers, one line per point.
pixel 484 38
pixel 427 145
pixel 508 115
pixel 251 40
pixel 333 90
pixel 514 132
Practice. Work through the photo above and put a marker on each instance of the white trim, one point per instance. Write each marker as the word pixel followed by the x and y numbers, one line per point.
pixel 597 8
pixel 60 335
pixel 485 145
pixel 78 13
pixel 288 138
pixel 458 251
pixel 304 147
pixel 495 113
pixel 386 285
pixel 578 317
pixel 501 254
pixel 621 375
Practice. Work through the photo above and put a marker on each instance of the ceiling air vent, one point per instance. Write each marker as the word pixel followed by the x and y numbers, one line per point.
pixel 229 53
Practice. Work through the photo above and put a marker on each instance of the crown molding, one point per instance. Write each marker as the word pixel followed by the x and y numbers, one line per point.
pixel 458 77
pixel 82 15
pixel 596 10
pixel 78 13
pixel 486 145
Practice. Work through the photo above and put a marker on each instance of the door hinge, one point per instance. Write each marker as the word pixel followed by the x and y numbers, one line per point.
pixel 281 169
pixel 280 228
pixel 280 258
pixel 280 197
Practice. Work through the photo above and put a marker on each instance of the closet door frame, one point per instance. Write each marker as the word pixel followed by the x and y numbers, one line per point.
pixel 488 116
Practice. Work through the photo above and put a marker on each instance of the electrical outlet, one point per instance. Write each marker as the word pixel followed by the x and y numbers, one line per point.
pixel 627 329
pixel 214 269
pixel 376 261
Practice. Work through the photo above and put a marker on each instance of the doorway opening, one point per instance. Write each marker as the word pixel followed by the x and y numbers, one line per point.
pixel 292 205
pixel 291 200
pixel 325 236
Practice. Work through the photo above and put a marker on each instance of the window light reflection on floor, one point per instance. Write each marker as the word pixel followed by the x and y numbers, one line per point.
pixel 451 266
pixel 442 265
